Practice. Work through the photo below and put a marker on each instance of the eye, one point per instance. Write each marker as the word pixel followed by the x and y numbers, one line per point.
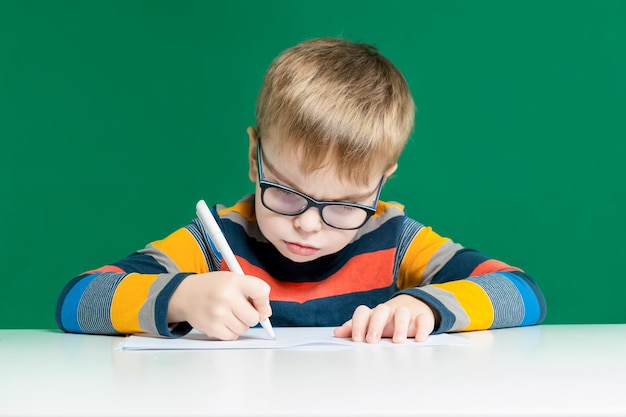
pixel 342 210
pixel 283 193
pixel 290 195
pixel 348 208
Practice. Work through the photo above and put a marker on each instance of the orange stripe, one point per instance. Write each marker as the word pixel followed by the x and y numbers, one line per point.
pixel 128 299
pixel 106 268
pixel 492 265
pixel 181 247
pixel 425 244
pixel 474 300
pixel 362 273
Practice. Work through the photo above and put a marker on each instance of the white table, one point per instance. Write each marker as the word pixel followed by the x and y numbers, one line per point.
pixel 548 370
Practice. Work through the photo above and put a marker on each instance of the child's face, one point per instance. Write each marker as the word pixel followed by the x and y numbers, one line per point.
pixel 305 237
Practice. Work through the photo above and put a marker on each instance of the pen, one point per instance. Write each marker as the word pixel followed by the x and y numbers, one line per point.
pixel 218 238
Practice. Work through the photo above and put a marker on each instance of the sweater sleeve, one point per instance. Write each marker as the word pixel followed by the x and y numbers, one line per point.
pixel 132 295
pixel 467 290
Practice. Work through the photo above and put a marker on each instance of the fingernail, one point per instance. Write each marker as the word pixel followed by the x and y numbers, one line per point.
pixel 399 337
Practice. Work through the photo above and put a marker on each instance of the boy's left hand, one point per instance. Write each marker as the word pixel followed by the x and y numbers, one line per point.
pixel 399 318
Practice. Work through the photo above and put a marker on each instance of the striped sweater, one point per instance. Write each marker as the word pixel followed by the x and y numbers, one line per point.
pixel 391 254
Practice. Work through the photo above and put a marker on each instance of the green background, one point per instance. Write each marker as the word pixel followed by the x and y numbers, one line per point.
pixel 116 117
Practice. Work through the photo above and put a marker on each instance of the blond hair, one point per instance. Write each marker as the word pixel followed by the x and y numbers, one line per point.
pixel 337 101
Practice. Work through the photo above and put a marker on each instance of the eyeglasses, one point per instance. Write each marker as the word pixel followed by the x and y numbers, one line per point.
pixel 289 202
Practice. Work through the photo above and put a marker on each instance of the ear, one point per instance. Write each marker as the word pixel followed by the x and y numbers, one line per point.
pixel 252 168
pixel 391 170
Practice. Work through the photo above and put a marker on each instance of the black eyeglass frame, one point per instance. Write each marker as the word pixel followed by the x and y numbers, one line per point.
pixel 311 202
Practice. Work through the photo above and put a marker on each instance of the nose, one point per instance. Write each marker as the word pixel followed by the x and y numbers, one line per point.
pixel 310 221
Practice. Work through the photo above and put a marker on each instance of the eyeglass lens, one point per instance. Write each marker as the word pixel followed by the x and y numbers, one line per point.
pixel 289 203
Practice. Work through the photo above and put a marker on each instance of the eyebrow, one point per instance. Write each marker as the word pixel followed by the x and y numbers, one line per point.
pixel 286 182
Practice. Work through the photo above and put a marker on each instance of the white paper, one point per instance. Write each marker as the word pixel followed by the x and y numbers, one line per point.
pixel 286 337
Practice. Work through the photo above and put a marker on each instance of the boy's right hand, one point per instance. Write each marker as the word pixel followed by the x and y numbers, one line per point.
pixel 221 304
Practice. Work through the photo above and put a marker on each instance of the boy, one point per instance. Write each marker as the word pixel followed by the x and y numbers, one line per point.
pixel 318 247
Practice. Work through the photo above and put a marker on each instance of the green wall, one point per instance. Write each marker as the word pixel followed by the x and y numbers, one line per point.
pixel 116 117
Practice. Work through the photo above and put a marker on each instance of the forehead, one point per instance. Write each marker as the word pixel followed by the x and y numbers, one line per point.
pixel 354 156
pixel 283 164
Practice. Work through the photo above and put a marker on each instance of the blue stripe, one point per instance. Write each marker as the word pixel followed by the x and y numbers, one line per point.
pixel 69 311
pixel 140 263
pixel 328 311
pixel 532 308
pixel 161 305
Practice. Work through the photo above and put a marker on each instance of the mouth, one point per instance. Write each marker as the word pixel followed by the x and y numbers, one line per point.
pixel 301 250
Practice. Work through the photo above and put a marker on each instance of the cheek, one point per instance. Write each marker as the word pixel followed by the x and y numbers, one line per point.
pixel 267 220
pixel 340 238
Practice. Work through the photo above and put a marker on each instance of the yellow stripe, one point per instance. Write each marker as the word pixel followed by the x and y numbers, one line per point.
pixel 181 247
pixel 417 256
pixel 128 299
pixel 383 206
pixel 474 300
pixel 243 208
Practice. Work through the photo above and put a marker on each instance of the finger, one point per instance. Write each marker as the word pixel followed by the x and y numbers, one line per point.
pixel 264 310
pixel 211 319
pixel 401 322
pixel 360 321
pixel 345 330
pixel 244 312
pixel 226 333
pixel 219 331
pixel 258 293
pixel 237 326
pixel 262 307
pixel 377 322
pixel 424 325
pixel 237 318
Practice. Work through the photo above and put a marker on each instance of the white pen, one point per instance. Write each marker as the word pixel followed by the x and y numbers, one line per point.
pixel 219 240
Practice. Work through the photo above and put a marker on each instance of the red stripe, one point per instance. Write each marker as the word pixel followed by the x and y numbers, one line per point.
pixel 106 268
pixel 363 272
pixel 492 265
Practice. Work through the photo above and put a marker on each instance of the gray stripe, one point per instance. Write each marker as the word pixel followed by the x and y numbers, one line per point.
pixel 159 256
pixel 505 298
pixel 450 302
pixel 251 227
pixel 94 309
pixel 375 222
pixel 439 259
pixel 202 239
pixel 147 320
pixel 410 229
